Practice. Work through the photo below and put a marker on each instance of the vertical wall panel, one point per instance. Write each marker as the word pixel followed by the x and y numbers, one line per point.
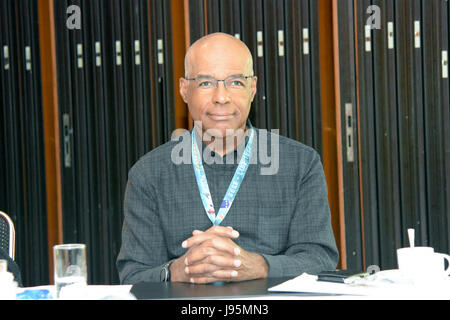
pixel 316 91
pixel 403 112
pixel 271 67
pixel 21 135
pixel 305 106
pixel 282 104
pixel 117 103
pixel 366 115
pixel 162 78
pixel 435 99
pixel 94 60
pixel 348 134
pixel 214 15
pixel 387 140
pixel 252 35
pixel 196 18
pixel 293 54
pixel 410 117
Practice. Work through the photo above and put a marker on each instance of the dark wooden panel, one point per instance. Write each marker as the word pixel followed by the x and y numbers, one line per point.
pixel 167 73
pixel 366 114
pixel 214 15
pixel 197 20
pixel 403 101
pixel 436 123
pixel 116 89
pixel 271 64
pixel 353 232
pixel 293 55
pixel 251 28
pixel 410 117
pixel 314 58
pixel 24 199
pixel 280 41
pixel 96 131
pixel 306 105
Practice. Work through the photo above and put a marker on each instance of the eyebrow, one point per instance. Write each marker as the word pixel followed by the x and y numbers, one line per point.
pixel 205 76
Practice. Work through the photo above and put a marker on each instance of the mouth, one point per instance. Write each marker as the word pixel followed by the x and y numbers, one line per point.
pixel 221 117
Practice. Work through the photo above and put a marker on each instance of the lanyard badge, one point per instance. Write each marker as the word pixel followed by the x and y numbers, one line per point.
pixel 233 188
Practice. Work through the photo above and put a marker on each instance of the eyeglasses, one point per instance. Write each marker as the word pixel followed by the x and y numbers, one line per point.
pixel 236 82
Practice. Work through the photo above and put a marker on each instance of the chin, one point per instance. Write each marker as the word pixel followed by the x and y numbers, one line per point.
pixel 217 132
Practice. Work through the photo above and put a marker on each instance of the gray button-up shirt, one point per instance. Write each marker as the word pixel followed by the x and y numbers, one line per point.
pixel 281 209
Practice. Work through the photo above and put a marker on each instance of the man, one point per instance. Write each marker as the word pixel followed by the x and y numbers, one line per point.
pixel 204 221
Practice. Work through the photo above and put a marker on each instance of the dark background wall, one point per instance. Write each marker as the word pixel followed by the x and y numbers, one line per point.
pixel 79 107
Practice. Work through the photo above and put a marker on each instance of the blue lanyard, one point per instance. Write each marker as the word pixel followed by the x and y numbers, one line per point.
pixel 233 188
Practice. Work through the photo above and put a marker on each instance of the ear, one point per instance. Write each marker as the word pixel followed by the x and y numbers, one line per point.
pixel 254 87
pixel 183 89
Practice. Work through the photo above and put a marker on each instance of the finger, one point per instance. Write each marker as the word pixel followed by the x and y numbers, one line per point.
pixel 212 263
pixel 198 254
pixel 226 275
pixel 200 270
pixel 202 280
pixel 222 275
pixel 200 237
pixel 213 246
pixel 220 231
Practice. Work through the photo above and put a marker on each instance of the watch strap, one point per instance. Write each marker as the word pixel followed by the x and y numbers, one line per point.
pixel 165 272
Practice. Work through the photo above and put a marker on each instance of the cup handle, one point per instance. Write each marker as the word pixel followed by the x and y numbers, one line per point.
pixel 446 257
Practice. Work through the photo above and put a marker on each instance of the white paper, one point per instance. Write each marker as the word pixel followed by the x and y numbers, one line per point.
pixel 307 283
pixel 388 285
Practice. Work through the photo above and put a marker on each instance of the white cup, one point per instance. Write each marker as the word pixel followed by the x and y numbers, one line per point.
pixel 70 269
pixel 422 264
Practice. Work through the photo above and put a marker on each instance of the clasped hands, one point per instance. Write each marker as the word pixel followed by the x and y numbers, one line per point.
pixel 213 256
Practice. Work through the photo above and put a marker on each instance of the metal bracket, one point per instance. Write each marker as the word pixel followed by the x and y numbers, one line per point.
pixel 137 52
pixel 67 132
pixel 349 132
pixel 280 43
pixel 417 35
pixel 98 54
pixel 390 35
pixel 305 33
pixel 259 39
pixel 28 58
pixel 80 56
pixel 6 57
pixel 444 64
pixel 118 53
pixel 368 38
pixel 160 46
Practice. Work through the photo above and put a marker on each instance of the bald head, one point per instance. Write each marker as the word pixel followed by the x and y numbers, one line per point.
pixel 215 46
pixel 220 109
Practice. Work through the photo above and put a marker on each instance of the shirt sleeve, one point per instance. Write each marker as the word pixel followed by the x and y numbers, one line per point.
pixel 311 244
pixel 143 252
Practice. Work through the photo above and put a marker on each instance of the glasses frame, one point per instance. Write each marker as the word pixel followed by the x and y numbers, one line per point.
pixel 223 80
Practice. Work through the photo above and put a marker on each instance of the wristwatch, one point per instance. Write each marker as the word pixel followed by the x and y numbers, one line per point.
pixel 165 272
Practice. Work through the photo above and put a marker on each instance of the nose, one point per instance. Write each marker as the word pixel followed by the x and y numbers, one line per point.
pixel 221 94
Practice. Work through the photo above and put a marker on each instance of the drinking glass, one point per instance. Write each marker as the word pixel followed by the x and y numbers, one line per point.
pixel 70 268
